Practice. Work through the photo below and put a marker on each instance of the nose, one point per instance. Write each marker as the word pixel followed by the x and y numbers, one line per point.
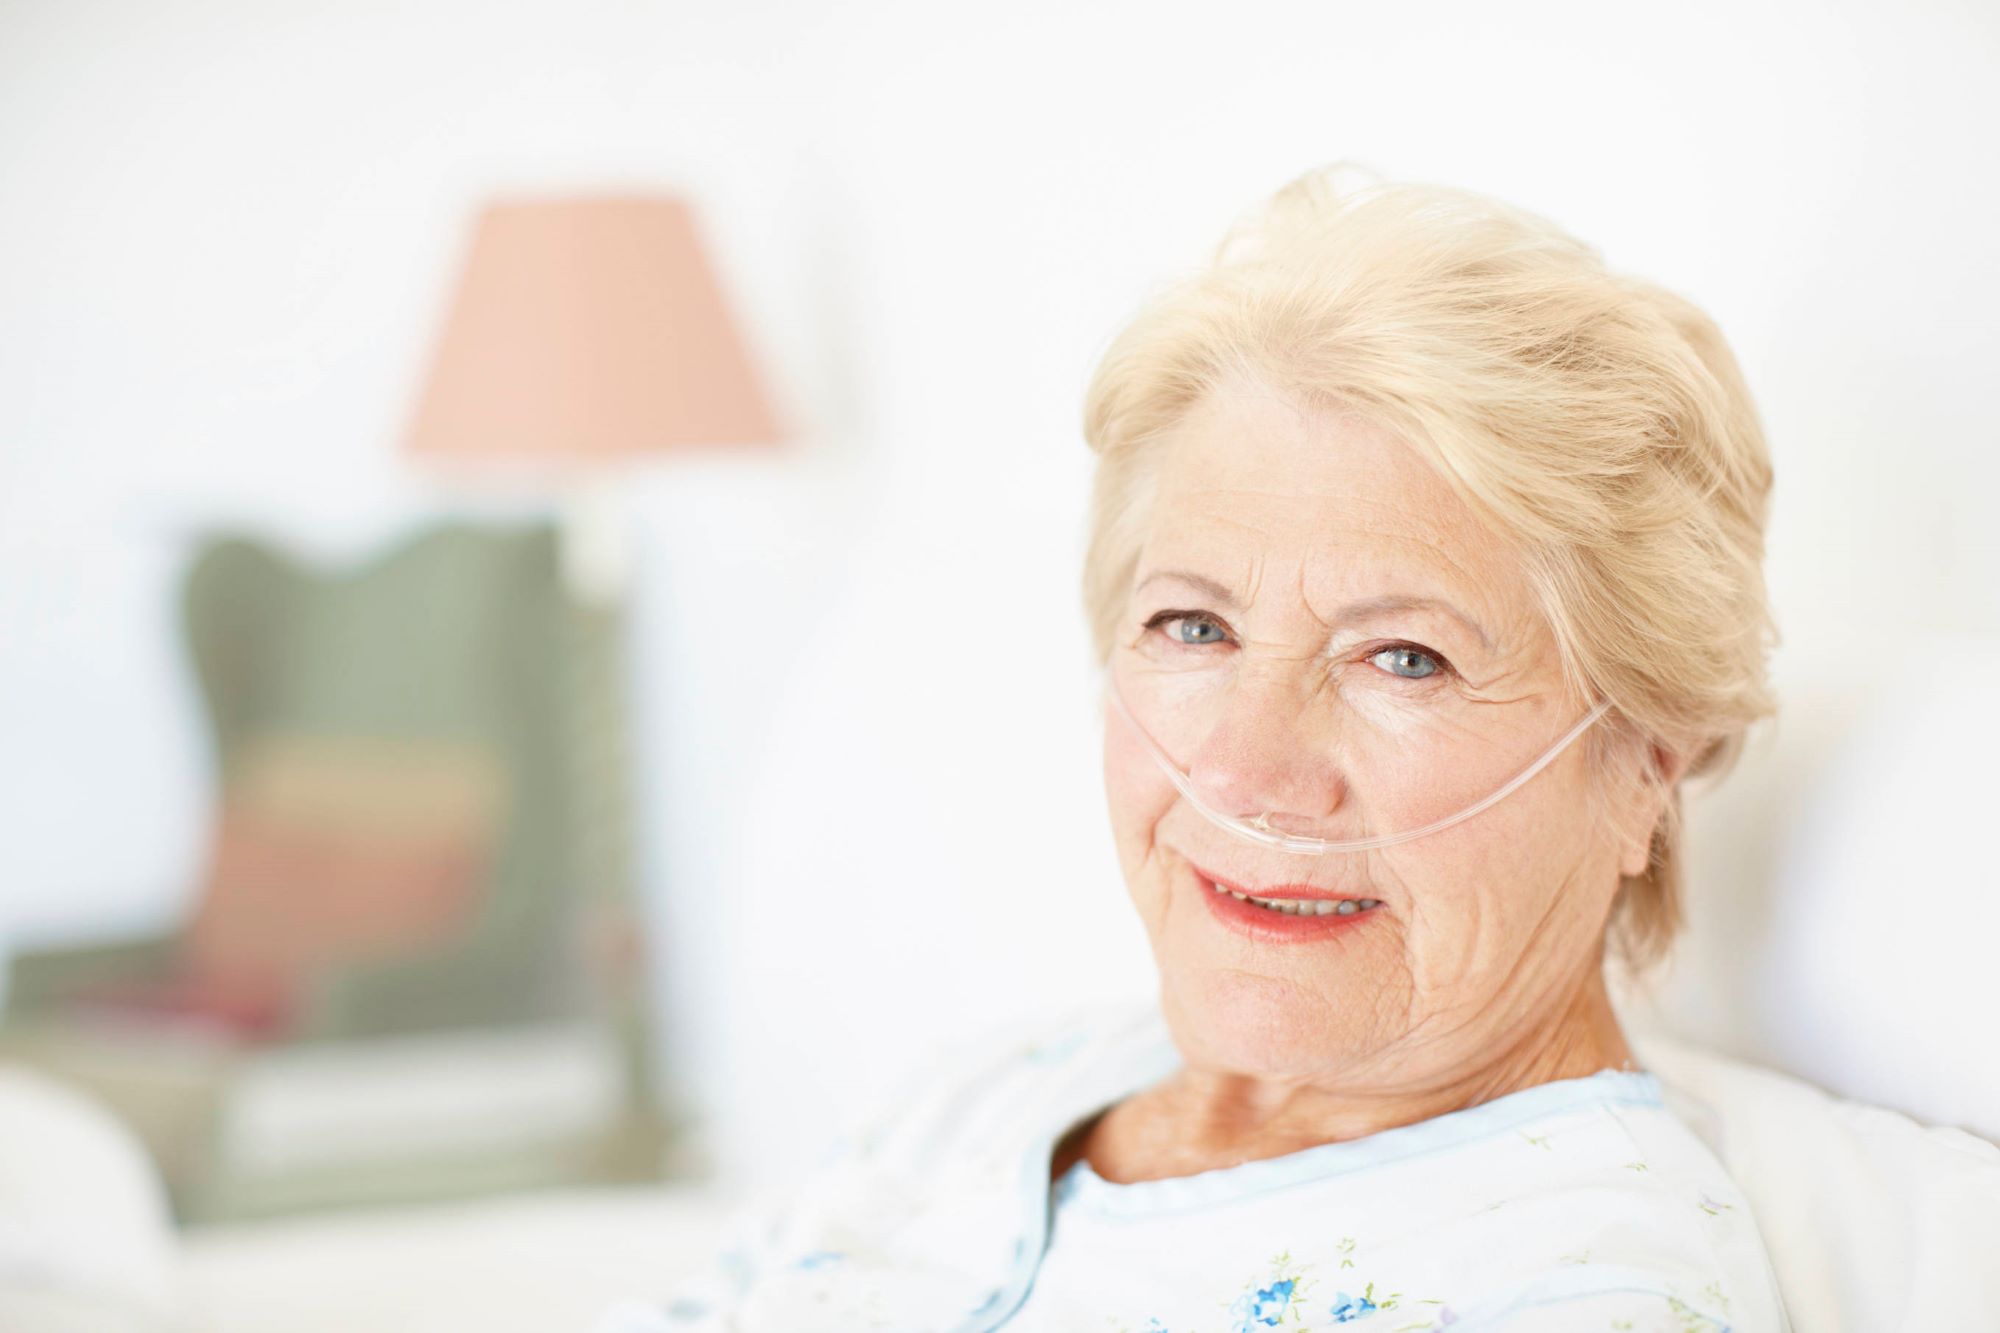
pixel 1263 757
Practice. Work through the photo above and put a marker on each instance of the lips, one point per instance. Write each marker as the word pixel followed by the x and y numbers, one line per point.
pixel 1269 925
pixel 1293 891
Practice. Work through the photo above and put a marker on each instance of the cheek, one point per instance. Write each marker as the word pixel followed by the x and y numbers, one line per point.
pixel 1408 764
pixel 1137 797
pixel 1137 794
pixel 1525 881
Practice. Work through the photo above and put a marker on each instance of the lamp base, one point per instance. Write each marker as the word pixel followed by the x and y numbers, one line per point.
pixel 596 541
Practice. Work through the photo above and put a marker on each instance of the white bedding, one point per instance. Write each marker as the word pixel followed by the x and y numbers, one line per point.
pixel 533 1264
pixel 1874 1223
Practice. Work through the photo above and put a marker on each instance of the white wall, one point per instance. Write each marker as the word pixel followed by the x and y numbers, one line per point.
pixel 872 814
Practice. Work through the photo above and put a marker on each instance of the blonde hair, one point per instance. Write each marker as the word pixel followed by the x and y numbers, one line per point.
pixel 1599 420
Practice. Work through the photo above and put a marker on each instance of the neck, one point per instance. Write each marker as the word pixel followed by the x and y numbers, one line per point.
pixel 1201 1119
pixel 1583 1038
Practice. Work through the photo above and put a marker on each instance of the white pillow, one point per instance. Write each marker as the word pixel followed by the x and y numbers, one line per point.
pixel 1874 1222
pixel 86 1242
pixel 1875 971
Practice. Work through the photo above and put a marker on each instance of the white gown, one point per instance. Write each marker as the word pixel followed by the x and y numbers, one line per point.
pixel 1583 1204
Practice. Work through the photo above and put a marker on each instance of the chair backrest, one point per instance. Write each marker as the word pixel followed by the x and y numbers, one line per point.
pixel 1874 1223
pixel 394 847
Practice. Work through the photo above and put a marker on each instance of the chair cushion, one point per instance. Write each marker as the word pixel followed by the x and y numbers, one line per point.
pixel 331 850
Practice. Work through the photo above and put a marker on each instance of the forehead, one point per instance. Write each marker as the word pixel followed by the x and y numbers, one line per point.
pixel 1252 482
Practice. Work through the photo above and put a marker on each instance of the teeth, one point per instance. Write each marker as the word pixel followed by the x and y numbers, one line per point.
pixel 1306 906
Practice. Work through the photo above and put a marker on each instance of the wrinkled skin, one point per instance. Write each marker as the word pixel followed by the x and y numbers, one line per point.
pixel 1481 972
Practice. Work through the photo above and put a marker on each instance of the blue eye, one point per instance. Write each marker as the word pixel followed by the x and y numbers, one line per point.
pixel 1171 624
pixel 1214 636
pixel 1406 661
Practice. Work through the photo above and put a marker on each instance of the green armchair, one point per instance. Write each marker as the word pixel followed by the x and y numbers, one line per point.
pixel 415 876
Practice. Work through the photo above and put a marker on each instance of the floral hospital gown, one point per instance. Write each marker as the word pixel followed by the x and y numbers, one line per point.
pixel 1582 1204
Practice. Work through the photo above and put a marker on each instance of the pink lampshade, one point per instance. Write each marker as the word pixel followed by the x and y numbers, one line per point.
pixel 585 330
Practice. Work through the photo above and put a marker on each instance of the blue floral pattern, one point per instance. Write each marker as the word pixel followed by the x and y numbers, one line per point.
pixel 1265 1305
pixel 1281 1296
pixel 1345 1309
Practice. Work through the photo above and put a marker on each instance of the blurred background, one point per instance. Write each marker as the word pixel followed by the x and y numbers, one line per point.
pixel 540 647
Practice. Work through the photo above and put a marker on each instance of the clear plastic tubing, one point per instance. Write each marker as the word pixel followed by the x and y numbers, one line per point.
pixel 1259 831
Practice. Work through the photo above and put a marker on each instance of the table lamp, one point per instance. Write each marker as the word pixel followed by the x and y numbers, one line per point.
pixel 586 332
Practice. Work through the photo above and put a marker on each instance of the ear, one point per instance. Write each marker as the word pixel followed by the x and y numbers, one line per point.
pixel 1665 767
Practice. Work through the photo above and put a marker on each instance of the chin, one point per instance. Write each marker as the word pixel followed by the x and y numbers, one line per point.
pixel 1260 1026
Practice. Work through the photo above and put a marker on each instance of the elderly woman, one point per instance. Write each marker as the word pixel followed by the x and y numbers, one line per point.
pixel 1424 567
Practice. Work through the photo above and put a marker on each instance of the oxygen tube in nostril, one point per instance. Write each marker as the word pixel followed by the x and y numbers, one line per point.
pixel 1259 830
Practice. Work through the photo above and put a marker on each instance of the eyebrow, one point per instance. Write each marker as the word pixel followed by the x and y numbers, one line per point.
pixel 1366 609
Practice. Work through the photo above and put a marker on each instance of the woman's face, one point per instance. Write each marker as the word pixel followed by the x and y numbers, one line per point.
pixel 1319 629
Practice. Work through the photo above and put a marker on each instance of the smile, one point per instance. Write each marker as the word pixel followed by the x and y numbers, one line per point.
pixel 1305 906
pixel 1298 912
